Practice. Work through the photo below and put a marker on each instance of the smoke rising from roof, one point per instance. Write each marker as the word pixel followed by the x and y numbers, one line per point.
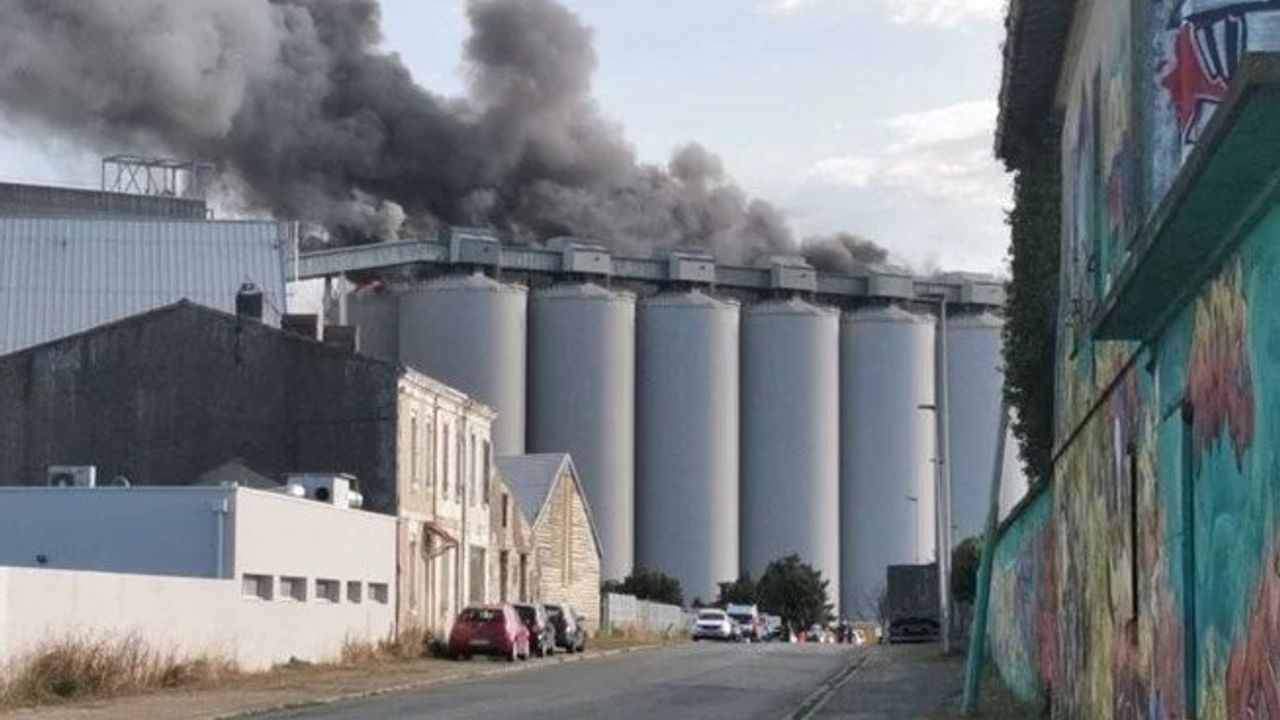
pixel 298 103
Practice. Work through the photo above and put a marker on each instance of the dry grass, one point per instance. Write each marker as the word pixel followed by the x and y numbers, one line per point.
pixel 79 668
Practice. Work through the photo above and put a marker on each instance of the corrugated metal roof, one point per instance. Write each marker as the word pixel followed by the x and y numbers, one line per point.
pixel 63 275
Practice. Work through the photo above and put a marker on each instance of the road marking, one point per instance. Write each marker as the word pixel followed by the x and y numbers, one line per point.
pixel 819 697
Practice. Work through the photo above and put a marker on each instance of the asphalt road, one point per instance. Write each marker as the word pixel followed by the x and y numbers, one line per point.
pixel 697 680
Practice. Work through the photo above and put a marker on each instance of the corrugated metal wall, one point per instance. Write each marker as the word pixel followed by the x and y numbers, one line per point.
pixel 60 276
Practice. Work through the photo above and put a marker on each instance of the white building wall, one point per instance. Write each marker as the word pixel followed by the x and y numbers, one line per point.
pixel 185 617
pixel 281 535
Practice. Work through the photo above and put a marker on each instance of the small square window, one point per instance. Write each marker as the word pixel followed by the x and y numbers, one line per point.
pixel 328 590
pixel 355 592
pixel 378 593
pixel 293 588
pixel 256 586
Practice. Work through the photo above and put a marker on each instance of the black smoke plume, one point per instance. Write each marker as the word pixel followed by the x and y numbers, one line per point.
pixel 311 119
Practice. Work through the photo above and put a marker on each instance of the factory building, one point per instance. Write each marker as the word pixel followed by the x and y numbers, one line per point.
pixel 720 416
pixel 172 394
pixel 62 275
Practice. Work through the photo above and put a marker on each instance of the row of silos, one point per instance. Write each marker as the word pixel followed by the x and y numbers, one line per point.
pixel 711 438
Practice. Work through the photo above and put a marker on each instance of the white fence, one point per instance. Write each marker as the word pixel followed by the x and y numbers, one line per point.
pixel 184 617
pixel 626 611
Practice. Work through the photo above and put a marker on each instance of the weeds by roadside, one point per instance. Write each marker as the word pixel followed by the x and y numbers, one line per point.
pixel 78 668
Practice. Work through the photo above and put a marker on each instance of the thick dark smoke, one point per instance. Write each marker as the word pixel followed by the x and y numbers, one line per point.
pixel 311 119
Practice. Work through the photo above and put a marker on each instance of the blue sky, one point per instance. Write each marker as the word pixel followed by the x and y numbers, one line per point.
pixel 871 116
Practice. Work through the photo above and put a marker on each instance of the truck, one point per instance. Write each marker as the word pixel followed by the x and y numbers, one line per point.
pixel 910 611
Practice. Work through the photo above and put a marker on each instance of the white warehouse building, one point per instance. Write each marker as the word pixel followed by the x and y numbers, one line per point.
pixel 252 576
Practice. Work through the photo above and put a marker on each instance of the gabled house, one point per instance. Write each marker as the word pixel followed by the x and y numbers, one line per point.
pixel 548 490
pixel 514 575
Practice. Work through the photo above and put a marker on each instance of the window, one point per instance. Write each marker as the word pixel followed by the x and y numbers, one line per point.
pixel 475 466
pixel 488 468
pixel 428 456
pixel 378 593
pixel 444 457
pixel 355 594
pixel 458 465
pixel 328 590
pixel 414 448
pixel 566 566
pixel 257 586
pixel 477 591
pixel 293 588
pixel 505 510
pixel 524 577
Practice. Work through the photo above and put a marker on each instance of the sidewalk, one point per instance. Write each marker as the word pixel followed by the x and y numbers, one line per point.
pixel 899 682
pixel 285 689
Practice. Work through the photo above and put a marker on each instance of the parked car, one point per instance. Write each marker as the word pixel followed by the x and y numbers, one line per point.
pixel 748 619
pixel 713 624
pixel 489 630
pixel 542 636
pixel 571 634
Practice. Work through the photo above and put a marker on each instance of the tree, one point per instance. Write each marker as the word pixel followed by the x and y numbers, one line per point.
pixel 739 592
pixel 648 585
pixel 965 560
pixel 795 591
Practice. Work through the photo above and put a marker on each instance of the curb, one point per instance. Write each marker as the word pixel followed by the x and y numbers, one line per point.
pixel 425 683
pixel 821 694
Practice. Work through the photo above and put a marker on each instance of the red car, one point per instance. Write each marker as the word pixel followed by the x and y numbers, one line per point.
pixel 489 630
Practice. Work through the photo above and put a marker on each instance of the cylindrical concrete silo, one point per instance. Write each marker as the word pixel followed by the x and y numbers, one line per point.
pixel 468 331
pixel 376 316
pixel 687 440
pixel 582 401
pixel 975 381
pixel 790 437
pixel 887 491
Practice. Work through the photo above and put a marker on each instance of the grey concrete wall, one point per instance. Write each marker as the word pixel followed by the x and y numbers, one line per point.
pixel 163 397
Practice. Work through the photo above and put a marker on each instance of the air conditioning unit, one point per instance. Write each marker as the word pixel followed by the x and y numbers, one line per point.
pixel 68 476
pixel 328 488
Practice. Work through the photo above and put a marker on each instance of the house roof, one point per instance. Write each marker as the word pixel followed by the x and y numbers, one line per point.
pixel 532 479
pixel 1036 33
pixel 62 275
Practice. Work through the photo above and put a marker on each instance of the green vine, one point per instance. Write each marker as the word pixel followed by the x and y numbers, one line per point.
pixel 1030 330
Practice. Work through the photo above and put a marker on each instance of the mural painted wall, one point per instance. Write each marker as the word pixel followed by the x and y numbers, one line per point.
pixel 1156 552
pixel 1154 558
pixel 1020 629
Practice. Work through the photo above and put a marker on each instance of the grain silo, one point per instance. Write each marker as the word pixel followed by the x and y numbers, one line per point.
pixel 790 437
pixel 582 401
pixel 687 439
pixel 468 331
pixel 975 381
pixel 887 475
pixel 376 315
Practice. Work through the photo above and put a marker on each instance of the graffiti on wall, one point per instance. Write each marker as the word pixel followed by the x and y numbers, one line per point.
pixel 1021 621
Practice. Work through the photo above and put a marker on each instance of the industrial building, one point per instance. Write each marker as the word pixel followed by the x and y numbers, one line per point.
pixel 167 396
pixel 720 416
pixel 62 275
pixel 251 576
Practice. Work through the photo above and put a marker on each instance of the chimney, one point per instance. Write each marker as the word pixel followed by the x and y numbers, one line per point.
pixel 249 302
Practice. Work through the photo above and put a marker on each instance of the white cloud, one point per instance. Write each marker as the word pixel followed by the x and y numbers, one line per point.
pixel 945 13
pixel 961 121
pixel 939 13
pixel 941 154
